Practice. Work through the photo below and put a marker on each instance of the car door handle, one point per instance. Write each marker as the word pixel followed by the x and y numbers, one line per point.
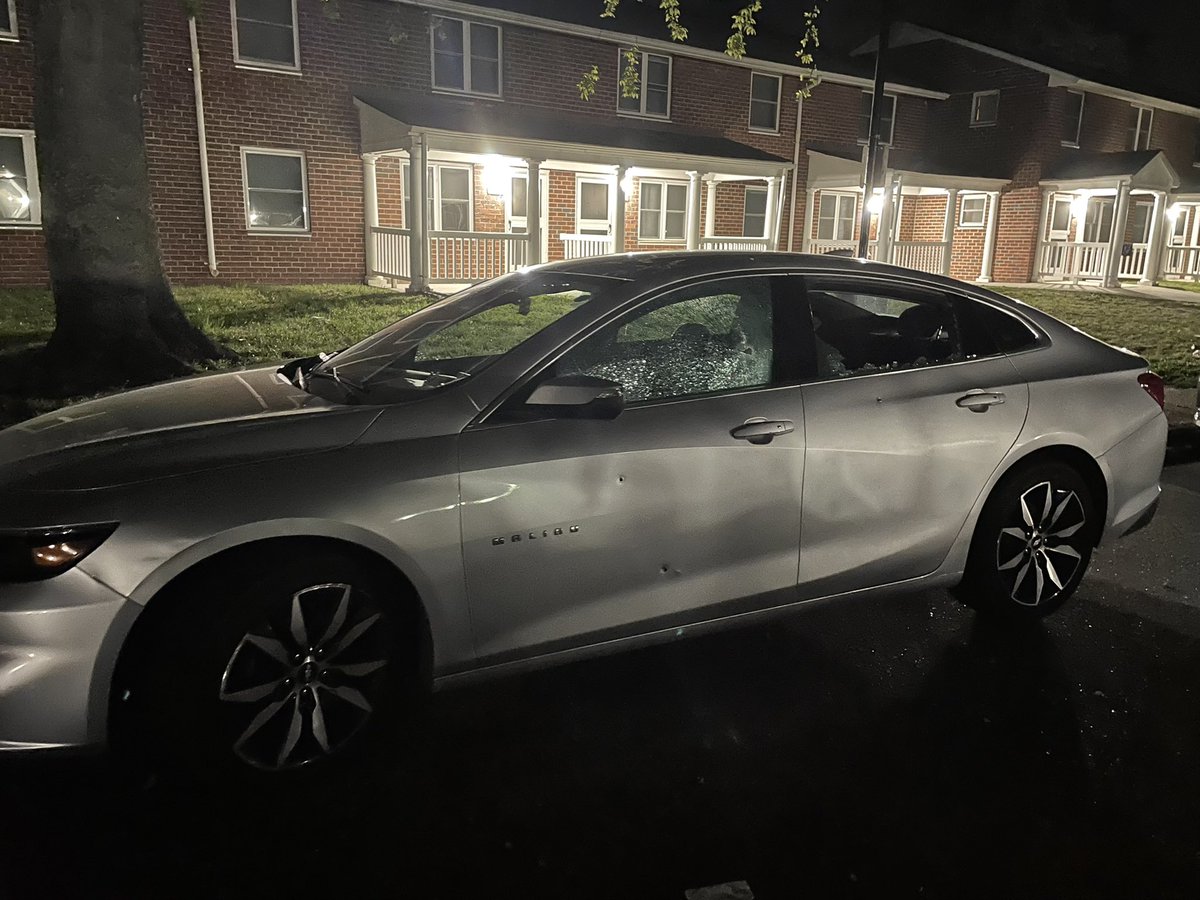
pixel 979 401
pixel 762 431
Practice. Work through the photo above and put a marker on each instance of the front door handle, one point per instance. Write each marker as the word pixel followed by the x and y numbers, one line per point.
pixel 979 401
pixel 762 431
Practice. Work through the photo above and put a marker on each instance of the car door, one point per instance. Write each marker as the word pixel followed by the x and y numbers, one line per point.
pixel 908 415
pixel 578 530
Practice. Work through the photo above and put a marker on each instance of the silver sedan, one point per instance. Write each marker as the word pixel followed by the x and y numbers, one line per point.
pixel 256 568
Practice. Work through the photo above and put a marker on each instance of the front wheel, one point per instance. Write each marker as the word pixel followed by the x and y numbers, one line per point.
pixel 1032 543
pixel 293 669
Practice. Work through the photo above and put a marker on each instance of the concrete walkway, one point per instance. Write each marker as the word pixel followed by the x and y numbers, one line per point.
pixel 1133 289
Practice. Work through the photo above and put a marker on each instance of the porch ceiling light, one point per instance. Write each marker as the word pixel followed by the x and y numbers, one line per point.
pixel 1174 211
pixel 875 204
pixel 1079 205
pixel 496 176
pixel 627 183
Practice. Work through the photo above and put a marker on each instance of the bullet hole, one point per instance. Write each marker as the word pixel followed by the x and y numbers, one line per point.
pixel 665 568
pixel 620 478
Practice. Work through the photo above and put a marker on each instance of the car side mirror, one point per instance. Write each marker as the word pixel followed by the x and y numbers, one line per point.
pixel 578 397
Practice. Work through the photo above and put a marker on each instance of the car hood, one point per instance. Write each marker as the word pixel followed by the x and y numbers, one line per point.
pixel 174 428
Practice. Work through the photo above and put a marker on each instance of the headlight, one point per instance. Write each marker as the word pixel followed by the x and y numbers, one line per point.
pixel 43 553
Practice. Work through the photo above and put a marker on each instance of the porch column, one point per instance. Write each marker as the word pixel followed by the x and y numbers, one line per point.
pixel 769 219
pixel 883 230
pixel 810 204
pixel 1195 276
pixel 948 229
pixel 692 231
pixel 1043 237
pixel 618 231
pixel 533 210
pixel 989 236
pixel 777 224
pixel 1154 248
pixel 418 238
pixel 1120 213
pixel 370 212
pixel 710 208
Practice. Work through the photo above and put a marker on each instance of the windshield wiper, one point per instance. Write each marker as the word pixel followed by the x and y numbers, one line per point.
pixel 331 373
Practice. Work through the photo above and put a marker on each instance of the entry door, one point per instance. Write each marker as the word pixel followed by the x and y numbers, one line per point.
pixel 1097 226
pixel 516 207
pixel 577 531
pixel 1058 231
pixel 896 455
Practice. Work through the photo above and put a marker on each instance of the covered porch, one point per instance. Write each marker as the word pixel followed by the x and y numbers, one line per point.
pixel 1181 256
pixel 1105 218
pixel 926 216
pixel 597 188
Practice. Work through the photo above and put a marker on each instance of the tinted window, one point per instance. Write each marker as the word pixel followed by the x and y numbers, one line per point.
pixel 1006 333
pixel 700 340
pixel 860 330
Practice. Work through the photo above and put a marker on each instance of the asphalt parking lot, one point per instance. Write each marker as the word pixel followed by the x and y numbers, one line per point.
pixel 890 748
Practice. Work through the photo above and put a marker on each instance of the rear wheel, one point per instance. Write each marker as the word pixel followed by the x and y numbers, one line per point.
pixel 1032 543
pixel 293 670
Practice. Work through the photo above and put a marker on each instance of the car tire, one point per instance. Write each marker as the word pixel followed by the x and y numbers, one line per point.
pixel 1032 543
pixel 294 669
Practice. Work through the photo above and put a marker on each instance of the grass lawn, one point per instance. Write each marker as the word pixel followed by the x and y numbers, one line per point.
pixel 1193 286
pixel 273 323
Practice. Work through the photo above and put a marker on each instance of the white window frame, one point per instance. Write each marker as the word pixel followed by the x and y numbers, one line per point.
pixel 660 237
pixel 976 122
pixel 642 69
pixel 962 210
pixel 433 195
pixel 265 65
pixel 778 104
pixel 1137 128
pixel 766 212
pixel 276 229
pixel 594 224
pixel 29 150
pixel 12 33
pixel 892 131
pixel 1078 121
pixel 842 197
pixel 466 29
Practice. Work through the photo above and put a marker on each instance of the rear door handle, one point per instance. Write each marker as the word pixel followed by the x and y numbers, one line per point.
pixel 762 431
pixel 979 400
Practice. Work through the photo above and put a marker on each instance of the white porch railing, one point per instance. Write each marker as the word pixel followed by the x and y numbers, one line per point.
pixel 924 256
pixel 581 246
pixel 391 246
pixel 733 243
pixel 1072 260
pixel 464 256
pixel 1134 265
pixel 834 246
pixel 1182 261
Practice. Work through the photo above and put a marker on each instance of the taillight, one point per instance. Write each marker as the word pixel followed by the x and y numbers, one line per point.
pixel 1153 385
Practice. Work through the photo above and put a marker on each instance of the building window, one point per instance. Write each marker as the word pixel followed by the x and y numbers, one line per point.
pixel 449 198
pixel 265 33
pixel 466 56
pixel 1059 226
pixel 985 107
pixel 886 123
pixel 662 211
pixel 592 205
pixel 1072 119
pixel 276 183
pixel 764 102
pixel 8 19
pixel 754 213
pixel 1139 129
pixel 20 199
pixel 1142 216
pixel 654 81
pixel 835 220
pixel 973 210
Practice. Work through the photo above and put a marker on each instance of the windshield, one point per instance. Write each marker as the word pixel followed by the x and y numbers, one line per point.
pixel 456 337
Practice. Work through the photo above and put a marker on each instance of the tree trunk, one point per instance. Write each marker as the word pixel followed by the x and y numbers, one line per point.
pixel 117 321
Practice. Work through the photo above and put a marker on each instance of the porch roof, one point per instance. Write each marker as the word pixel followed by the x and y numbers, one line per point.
pixel 1189 184
pixel 830 162
pixel 1142 168
pixel 389 118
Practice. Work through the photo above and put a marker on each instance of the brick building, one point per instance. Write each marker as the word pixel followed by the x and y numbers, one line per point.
pixel 286 154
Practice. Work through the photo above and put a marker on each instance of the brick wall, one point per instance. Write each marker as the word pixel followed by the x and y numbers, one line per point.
pixel 22 248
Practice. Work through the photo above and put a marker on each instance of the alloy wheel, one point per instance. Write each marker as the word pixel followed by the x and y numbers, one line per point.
pixel 1039 555
pixel 299 685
